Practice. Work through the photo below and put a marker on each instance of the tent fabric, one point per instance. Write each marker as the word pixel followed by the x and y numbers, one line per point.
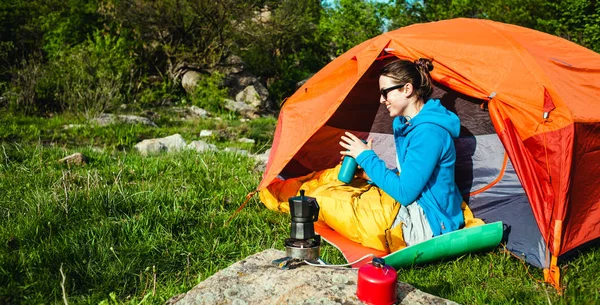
pixel 541 92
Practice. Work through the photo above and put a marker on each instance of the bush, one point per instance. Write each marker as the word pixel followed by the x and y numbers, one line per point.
pixel 159 93
pixel 94 76
pixel 25 93
pixel 209 93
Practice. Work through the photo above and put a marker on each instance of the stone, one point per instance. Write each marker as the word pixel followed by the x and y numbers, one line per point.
pixel 261 161
pixel 249 96
pixel 134 119
pixel 246 140
pixel 198 112
pixel 153 146
pixel 150 147
pixel 256 280
pixel 201 146
pixel 241 108
pixel 237 151
pixel 74 159
pixel 206 133
pixel 105 119
pixel 190 80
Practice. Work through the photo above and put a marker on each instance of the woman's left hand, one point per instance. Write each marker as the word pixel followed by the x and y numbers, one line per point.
pixel 354 145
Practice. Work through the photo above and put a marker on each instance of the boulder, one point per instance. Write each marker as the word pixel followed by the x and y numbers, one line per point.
pixel 237 78
pixel 261 161
pixel 201 146
pixel 241 108
pixel 249 96
pixel 105 119
pixel 190 80
pixel 167 144
pixel 198 112
pixel 150 147
pixel 256 280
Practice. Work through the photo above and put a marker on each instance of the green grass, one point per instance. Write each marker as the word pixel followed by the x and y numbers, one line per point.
pixel 116 222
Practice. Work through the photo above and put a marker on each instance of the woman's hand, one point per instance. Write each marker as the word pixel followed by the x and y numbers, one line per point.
pixel 354 145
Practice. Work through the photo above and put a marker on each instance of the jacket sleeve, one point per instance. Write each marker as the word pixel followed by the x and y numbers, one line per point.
pixel 422 157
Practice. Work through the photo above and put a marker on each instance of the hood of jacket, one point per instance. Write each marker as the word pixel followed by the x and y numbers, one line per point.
pixel 433 112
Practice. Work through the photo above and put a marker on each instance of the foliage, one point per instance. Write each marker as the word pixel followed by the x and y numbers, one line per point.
pixel 95 75
pixel 177 32
pixel 576 20
pixel 24 91
pixel 158 93
pixel 349 22
pixel 68 23
pixel 29 27
pixel 209 93
pixel 282 45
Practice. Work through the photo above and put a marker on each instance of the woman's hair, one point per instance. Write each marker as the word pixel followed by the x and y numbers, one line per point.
pixel 416 73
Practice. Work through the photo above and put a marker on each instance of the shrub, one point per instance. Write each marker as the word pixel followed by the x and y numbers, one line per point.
pixel 26 93
pixel 159 93
pixel 210 93
pixel 94 76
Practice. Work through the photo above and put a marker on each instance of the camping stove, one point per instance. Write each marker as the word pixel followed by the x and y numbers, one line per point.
pixel 303 244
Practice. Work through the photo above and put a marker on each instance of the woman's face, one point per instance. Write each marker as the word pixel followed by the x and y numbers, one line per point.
pixel 393 95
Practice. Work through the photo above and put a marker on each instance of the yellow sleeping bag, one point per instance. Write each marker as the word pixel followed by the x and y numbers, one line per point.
pixel 359 211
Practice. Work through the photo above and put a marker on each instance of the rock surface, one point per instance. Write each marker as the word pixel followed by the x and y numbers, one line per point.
pixel 107 119
pixel 256 280
pixel 153 146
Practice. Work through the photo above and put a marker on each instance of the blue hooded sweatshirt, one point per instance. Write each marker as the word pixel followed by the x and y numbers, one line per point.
pixel 426 155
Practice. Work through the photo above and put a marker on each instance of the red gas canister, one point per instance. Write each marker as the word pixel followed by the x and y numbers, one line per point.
pixel 377 283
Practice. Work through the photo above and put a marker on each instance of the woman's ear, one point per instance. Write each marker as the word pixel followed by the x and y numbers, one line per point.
pixel 408 89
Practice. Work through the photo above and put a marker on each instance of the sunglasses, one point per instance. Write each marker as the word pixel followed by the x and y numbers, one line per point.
pixel 385 91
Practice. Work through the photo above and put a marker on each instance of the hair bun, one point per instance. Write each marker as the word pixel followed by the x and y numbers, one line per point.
pixel 424 63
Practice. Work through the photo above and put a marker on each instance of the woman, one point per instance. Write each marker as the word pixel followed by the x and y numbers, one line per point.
pixel 423 132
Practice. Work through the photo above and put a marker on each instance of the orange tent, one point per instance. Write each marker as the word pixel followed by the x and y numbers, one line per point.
pixel 542 93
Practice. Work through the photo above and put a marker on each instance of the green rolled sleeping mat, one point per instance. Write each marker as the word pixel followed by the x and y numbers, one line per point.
pixel 448 245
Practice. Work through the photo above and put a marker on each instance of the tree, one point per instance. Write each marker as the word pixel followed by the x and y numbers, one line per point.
pixel 281 44
pixel 350 22
pixel 576 20
pixel 172 32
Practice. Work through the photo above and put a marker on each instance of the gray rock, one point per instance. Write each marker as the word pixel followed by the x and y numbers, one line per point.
pixel 201 146
pixel 256 280
pixel 237 78
pixel 249 96
pixel 246 140
pixel 206 133
pixel 167 144
pixel 189 80
pixel 237 151
pixel 150 147
pixel 261 160
pixel 241 108
pixel 134 119
pixel 108 119
pixel 198 112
